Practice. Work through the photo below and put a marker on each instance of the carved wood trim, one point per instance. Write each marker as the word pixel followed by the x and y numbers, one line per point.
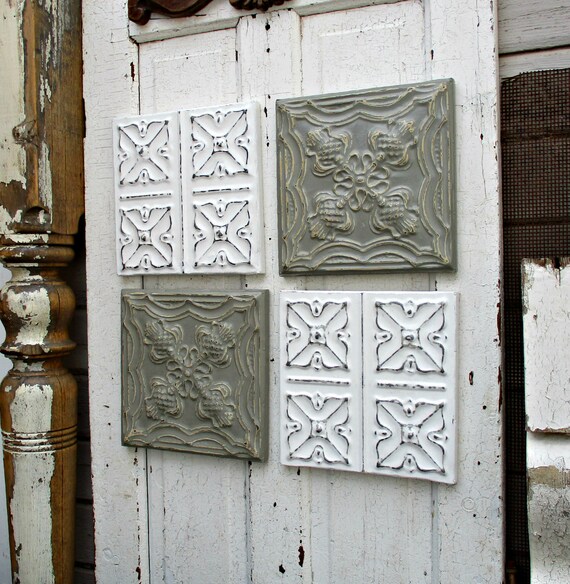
pixel 38 408
pixel 140 10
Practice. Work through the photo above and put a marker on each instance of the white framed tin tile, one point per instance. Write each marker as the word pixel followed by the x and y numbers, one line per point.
pixel 222 208
pixel 320 378
pixel 188 192
pixel 410 384
pixel 147 194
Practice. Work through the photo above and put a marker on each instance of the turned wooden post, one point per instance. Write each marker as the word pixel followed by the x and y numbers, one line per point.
pixel 41 201
pixel 38 403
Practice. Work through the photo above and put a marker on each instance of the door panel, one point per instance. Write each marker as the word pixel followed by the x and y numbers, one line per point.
pixel 215 520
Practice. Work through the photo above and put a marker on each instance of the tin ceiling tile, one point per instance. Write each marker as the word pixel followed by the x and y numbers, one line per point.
pixel 365 180
pixel 147 194
pixel 194 372
pixel 410 384
pixel 221 176
pixel 320 374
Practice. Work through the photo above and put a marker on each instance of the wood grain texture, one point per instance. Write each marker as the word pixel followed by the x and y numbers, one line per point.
pixel 220 15
pixel 38 407
pixel 517 63
pixel 48 196
pixel 469 516
pixel 533 24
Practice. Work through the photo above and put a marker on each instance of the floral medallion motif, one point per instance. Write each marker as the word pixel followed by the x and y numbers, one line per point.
pixel 411 436
pixel 365 180
pixel 146 237
pixel 317 428
pixel 194 372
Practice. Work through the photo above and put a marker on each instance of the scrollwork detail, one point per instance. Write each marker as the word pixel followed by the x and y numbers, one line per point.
pixel 140 10
pixel 188 372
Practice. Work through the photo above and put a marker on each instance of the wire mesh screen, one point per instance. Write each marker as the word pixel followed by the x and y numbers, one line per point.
pixel 535 141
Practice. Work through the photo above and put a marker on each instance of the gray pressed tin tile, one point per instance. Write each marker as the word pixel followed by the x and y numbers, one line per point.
pixel 195 372
pixel 366 180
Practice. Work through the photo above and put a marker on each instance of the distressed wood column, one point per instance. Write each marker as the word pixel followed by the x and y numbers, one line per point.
pixel 41 201
pixel 38 403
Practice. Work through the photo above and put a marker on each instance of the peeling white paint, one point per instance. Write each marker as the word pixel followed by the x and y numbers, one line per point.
pixel 12 155
pixel 30 507
pixel 33 307
pixel 26 238
pixel 44 176
pixel 5 218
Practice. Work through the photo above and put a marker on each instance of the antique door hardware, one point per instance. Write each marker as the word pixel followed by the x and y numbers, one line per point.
pixel 141 10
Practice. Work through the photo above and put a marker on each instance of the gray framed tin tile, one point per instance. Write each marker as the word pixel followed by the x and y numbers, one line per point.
pixel 194 372
pixel 366 180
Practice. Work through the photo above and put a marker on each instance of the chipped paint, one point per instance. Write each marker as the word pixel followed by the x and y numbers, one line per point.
pixel 31 411
pixel 33 308
pixel 13 159
pixel 6 219
pixel 44 177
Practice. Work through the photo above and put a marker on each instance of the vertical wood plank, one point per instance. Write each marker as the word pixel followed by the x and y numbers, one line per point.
pixel 119 474
pixel 197 510
pixel 380 526
pixel 269 67
pixel 468 524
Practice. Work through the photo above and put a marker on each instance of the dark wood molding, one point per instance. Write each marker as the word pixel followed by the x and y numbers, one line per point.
pixel 140 10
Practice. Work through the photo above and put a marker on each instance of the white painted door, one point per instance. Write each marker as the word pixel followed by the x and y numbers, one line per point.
pixel 182 518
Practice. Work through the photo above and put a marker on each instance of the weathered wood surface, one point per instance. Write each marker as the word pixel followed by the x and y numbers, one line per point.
pixel 533 24
pixel 548 462
pixel 212 520
pixel 515 64
pixel 41 200
pixel 38 407
pixel 546 314
pixel 221 14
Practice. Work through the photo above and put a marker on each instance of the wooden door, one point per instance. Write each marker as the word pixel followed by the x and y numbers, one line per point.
pixel 184 518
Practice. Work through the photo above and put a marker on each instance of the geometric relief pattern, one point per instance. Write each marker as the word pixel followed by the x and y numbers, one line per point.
pixel 188 191
pixel 147 194
pixel 318 428
pixel 146 237
pixel 316 334
pixel 410 337
pixel 411 435
pixel 410 384
pixel 320 378
pixel 194 372
pixel 368 382
pixel 222 190
pixel 366 180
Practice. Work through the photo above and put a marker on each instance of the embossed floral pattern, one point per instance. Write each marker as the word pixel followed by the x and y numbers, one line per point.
pixel 362 182
pixel 188 372
pixel 359 182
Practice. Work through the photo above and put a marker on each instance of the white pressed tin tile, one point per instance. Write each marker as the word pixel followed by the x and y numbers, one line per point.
pixel 321 379
pixel 221 180
pixel 410 384
pixel 147 194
